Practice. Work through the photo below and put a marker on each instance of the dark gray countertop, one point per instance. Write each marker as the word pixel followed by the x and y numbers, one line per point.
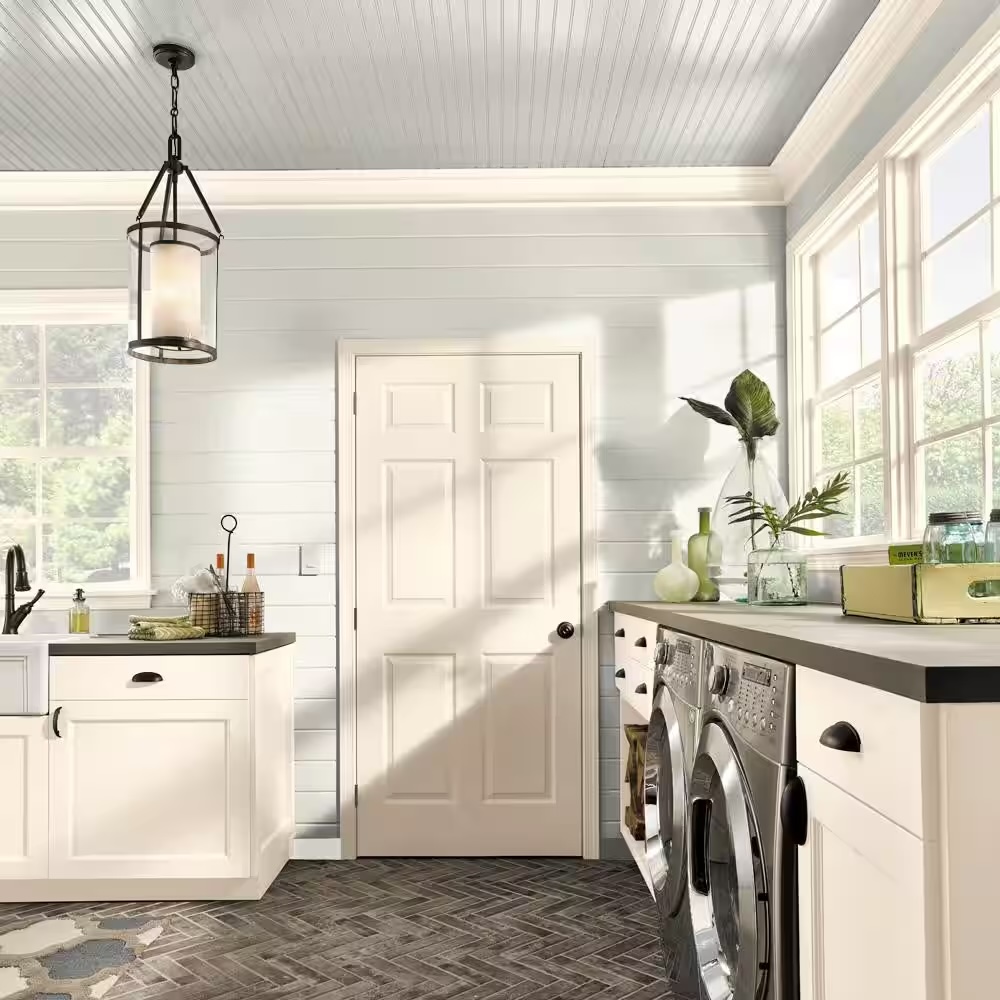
pixel 932 663
pixel 113 645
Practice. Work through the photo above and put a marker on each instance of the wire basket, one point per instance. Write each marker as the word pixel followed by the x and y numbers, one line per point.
pixel 227 615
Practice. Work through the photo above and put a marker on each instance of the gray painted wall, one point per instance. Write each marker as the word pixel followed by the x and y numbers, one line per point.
pixel 683 298
pixel 951 26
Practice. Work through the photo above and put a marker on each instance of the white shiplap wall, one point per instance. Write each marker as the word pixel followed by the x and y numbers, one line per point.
pixel 683 297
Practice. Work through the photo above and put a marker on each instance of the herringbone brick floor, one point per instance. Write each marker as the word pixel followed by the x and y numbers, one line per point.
pixel 405 929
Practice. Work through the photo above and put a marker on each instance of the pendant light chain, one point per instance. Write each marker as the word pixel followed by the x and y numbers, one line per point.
pixel 174 141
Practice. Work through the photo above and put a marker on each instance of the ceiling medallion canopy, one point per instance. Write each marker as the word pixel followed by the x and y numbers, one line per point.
pixel 174 265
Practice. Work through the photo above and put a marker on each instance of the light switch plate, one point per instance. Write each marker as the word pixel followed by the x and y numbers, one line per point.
pixel 310 559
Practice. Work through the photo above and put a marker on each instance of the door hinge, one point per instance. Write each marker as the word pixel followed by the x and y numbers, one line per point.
pixel 355 796
pixel 354 404
pixel 355 619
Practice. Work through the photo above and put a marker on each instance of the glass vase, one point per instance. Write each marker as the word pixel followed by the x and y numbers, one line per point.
pixel 776 576
pixel 704 553
pixel 754 476
pixel 676 583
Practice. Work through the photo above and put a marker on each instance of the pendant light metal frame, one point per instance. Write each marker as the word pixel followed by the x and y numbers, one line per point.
pixel 143 236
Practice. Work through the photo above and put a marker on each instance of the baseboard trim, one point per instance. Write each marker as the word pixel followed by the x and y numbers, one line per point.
pixel 615 849
pixel 317 849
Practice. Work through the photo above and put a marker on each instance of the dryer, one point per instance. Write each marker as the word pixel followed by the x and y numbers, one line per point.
pixel 741 863
pixel 671 741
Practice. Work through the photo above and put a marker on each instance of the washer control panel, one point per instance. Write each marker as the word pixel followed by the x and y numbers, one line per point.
pixel 678 661
pixel 753 693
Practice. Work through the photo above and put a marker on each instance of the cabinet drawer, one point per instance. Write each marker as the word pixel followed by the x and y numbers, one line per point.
pixel 120 678
pixel 635 639
pixel 889 773
pixel 637 678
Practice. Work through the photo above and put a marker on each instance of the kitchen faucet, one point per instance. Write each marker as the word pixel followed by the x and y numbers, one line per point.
pixel 13 617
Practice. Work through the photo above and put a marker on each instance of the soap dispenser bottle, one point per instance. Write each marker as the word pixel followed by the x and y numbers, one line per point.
pixel 79 615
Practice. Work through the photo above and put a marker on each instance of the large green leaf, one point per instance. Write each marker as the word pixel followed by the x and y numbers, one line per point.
pixel 750 404
pixel 710 410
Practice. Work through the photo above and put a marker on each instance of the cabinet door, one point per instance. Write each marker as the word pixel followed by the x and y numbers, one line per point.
pixel 147 789
pixel 862 913
pixel 24 806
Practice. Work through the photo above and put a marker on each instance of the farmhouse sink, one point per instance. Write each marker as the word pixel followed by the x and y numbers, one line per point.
pixel 24 675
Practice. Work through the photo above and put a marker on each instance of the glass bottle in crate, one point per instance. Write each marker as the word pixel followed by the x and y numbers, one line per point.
pixel 254 606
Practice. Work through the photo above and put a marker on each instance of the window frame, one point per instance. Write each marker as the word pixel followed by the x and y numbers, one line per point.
pixel 52 306
pixel 815 395
pixel 891 175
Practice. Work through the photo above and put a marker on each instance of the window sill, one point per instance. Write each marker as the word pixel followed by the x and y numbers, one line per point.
pixel 832 558
pixel 118 600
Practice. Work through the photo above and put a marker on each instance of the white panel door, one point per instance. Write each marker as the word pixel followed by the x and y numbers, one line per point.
pixel 142 789
pixel 862 914
pixel 24 804
pixel 468 558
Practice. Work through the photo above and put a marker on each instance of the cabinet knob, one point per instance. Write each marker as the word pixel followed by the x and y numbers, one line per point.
pixel 565 630
pixel 641 689
pixel 620 673
pixel 619 633
pixel 841 736
pixel 641 641
pixel 147 677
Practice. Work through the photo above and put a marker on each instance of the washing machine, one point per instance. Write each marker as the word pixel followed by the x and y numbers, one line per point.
pixel 671 741
pixel 740 857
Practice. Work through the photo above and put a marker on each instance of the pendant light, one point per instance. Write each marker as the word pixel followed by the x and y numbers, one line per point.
pixel 174 265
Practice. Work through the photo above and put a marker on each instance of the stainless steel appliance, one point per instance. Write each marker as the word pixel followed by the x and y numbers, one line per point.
pixel 741 863
pixel 674 725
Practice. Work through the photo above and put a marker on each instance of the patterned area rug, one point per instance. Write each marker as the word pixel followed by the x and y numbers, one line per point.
pixel 403 929
pixel 71 957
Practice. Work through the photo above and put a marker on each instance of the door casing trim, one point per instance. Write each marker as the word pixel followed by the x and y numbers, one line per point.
pixel 581 341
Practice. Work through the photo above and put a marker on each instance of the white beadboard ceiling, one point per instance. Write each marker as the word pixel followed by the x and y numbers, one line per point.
pixel 324 84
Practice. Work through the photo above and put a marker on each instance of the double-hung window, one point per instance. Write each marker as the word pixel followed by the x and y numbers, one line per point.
pixel 74 444
pixel 956 350
pixel 846 375
pixel 894 328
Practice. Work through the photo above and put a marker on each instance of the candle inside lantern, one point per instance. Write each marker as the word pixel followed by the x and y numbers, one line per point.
pixel 175 290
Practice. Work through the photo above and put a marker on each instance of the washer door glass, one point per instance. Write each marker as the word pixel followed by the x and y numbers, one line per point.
pixel 665 798
pixel 727 891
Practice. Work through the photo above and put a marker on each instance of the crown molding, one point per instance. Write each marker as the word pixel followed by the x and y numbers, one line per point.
pixel 883 40
pixel 395 188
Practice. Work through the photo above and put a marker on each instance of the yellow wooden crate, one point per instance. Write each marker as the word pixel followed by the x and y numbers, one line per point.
pixel 928 595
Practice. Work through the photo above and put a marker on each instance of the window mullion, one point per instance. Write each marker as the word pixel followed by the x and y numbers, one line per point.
pixel 995 188
pixel 43 440
pixel 987 432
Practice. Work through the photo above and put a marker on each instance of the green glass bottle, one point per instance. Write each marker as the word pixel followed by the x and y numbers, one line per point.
pixel 705 556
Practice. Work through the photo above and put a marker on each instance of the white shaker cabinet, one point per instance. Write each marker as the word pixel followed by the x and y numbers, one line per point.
pixel 861 902
pixel 153 777
pixel 146 789
pixel 898 879
pixel 24 847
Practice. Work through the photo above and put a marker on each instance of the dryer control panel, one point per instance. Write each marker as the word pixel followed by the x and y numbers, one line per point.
pixel 754 694
pixel 678 663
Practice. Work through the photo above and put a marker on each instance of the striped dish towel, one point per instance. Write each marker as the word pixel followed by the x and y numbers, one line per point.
pixel 163 629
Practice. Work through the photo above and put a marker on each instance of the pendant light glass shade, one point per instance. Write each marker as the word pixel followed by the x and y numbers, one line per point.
pixel 173 264
pixel 174 279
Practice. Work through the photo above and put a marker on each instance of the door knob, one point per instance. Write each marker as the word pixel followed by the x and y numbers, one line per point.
pixel 565 630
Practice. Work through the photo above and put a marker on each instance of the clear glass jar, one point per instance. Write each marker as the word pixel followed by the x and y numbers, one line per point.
pixel 991 553
pixel 776 576
pixel 954 537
